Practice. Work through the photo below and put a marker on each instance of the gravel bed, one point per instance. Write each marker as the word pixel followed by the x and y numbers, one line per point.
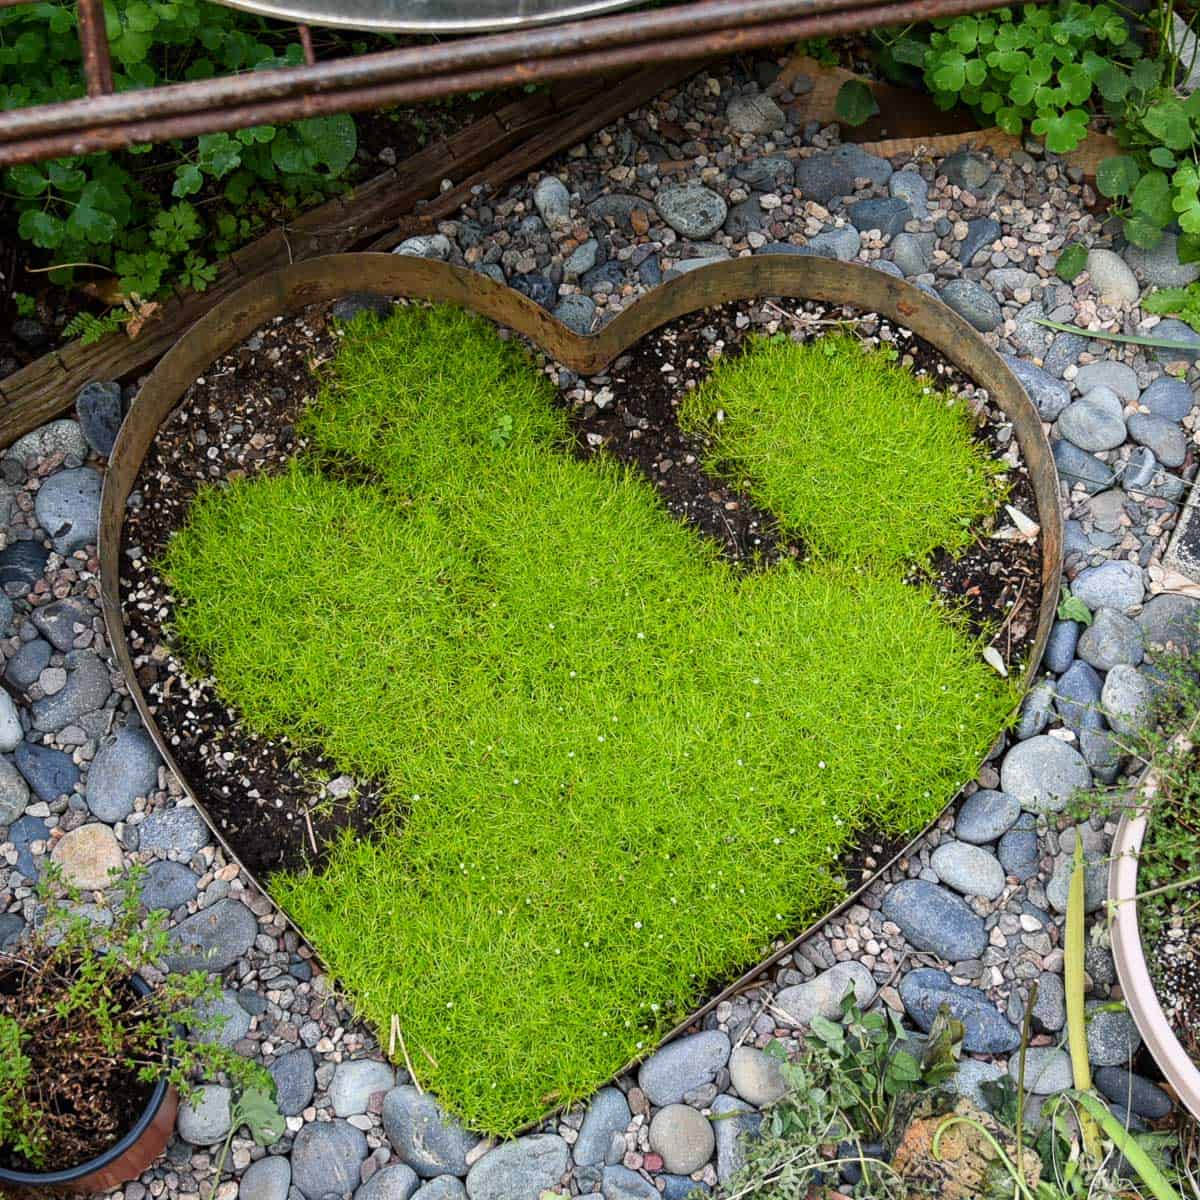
pixel 974 914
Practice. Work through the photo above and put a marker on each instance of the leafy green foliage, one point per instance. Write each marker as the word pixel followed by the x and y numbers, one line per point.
pixel 1035 67
pixel 1155 182
pixel 855 103
pixel 116 210
pixel 1071 608
pixel 1181 302
pixel 1071 261
pixel 855 1081
pixel 24 303
pixel 72 1013
pixel 90 328
pixel 572 698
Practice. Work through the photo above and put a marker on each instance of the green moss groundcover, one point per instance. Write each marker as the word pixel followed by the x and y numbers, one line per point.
pixel 618 766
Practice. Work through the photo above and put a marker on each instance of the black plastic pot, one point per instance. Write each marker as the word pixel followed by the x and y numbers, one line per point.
pixel 126 1159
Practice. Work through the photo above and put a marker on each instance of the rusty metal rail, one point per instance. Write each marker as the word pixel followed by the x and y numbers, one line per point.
pixel 704 28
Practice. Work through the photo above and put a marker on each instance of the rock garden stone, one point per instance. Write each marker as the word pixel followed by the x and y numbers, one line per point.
pixel 842 244
pixel 733 1121
pixel 1047 1070
pixel 1095 879
pixel 88 687
pixel 353 304
pixel 326 1157
pixel 204 1120
pixel 182 830
pixel 889 216
pixel 57 437
pixel 11 733
pixel 968 1077
pixel 1049 395
pixel 168 885
pixel 125 767
pixel 582 259
pixel 267 1179
pixel 1018 851
pixel 1169 398
pixel 1134 1092
pixel 1168 621
pixel 833 173
pixel 443 1187
pixel 1186 341
pixel 222 1021
pixel 1112 278
pixel 537 287
pixel 823 995
pixel 1112 1036
pixel 1114 584
pixel 608 1113
pixel 684 265
pixel 295 1081
pixel 56 621
pixel 425 1137
pixel 755 1076
pixel 1079 467
pixel 1118 376
pixel 679 1067
pixel 981 233
pixel 619 209
pixel 691 210
pixel 576 312
pixel 746 217
pixel 1050 1008
pixel 425 245
pixel 1090 426
pixel 67 507
pixel 986 816
pixel 213 938
pixel 1111 639
pixel 620 1183
pixel 392 1183
pixel 14 792
pixel 23 563
pixel 910 253
pixel 926 989
pixel 1043 773
pixel 99 409
pixel 682 1187
pixel 974 303
pixel 1160 265
pixel 355 1082
pixel 89 857
pixel 23 833
pixel 1036 710
pixel 910 187
pixel 49 772
pixel 552 199
pixel 521 1168
pixel 934 919
pixel 1127 699
pixel 1162 435
pixel 26 666
pixel 755 114
pixel 770 173
pixel 683 1137
pixel 968 869
pixel 966 170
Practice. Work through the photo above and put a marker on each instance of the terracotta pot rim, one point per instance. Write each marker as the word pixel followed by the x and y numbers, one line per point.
pixel 1137 986
pixel 72 1175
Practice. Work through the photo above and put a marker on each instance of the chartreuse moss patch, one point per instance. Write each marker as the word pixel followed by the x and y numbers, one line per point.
pixel 618 766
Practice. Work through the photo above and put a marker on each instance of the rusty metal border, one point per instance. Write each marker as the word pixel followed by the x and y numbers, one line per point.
pixel 796 277
pixel 107 120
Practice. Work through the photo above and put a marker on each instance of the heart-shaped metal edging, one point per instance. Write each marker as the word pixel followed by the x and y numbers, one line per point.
pixel 782 275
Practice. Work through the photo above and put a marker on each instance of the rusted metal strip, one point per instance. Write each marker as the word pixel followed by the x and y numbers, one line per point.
pixel 93 43
pixel 324 279
pixel 405 76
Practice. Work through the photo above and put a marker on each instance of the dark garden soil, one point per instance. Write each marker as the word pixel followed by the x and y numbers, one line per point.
pixel 267 798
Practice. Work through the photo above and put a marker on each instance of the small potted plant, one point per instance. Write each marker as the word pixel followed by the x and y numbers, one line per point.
pixel 1154 879
pixel 94 1061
